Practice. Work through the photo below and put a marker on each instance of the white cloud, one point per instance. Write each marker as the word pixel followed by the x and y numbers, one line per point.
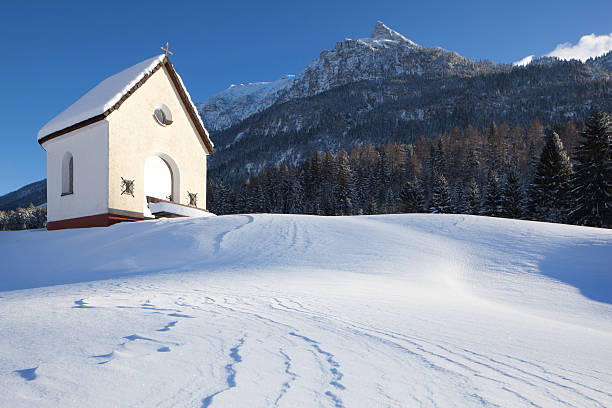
pixel 589 46
pixel 524 61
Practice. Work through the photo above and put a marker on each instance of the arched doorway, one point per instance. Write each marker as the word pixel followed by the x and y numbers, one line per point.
pixel 158 179
pixel 161 180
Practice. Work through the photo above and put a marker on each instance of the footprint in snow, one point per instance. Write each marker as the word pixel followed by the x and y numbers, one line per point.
pixel 168 326
pixel 180 315
pixel 27 374
pixel 81 304
pixel 230 370
pixel 334 369
pixel 106 357
pixel 134 337
pixel 292 376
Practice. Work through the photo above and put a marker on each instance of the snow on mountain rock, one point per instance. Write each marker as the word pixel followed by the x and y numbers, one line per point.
pixel 238 102
pixel 523 62
pixel 385 54
pixel 288 310
pixel 382 32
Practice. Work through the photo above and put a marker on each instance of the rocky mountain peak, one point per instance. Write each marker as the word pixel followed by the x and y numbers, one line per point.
pixel 382 32
pixel 385 54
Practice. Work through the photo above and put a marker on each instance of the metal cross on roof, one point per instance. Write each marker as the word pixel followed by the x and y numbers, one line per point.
pixel 166 50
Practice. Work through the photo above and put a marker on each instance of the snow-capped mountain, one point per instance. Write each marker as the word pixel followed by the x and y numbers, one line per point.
pixel 385 54
pixel 387 88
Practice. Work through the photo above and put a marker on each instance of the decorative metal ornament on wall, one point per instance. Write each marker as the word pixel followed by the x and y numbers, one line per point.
pixel 193 199
pixel 127 187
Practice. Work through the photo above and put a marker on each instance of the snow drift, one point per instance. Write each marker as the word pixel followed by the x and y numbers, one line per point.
pixel 279 310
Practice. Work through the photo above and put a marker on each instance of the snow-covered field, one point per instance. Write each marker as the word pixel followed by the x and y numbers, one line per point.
pixel 301 311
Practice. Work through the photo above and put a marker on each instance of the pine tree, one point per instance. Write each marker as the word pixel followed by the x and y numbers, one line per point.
pixel 459 199
pixel 411 197
pixel 329 172
pixel 271 191
pixel 438 158
pixel 492 205
pixel 264 196
pixel 243 201
pixel 472 165
pixel 549 196
pixel 294 194
pixel 372 207
pixel 224 198
pixel 512 196
pixel 384 182
pixel 259 204
pixel 4 221
pixel 473 199
pixel 308 185
pixel 592 179
pixel 491 147
pixel 532 161
pixel 345 192
pixel 440 197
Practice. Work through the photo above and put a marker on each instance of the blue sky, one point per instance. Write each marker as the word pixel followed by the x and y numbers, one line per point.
pixel 53 52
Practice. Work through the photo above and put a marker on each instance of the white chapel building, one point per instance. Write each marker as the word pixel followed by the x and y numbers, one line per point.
pixel 132 148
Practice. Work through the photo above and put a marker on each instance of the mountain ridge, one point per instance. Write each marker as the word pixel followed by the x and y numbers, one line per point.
pixel 384 54
pixel 33 193
pixel 387 88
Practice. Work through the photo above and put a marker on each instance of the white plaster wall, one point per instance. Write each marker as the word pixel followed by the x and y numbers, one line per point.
pixel 136 135
pixel 89 148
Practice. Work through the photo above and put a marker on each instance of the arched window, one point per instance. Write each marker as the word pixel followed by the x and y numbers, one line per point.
pixel 67 174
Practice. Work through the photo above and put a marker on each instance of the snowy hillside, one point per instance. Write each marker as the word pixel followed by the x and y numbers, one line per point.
pixel 294 311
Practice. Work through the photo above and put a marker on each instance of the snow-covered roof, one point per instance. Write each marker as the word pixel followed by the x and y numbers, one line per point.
pixel 108 94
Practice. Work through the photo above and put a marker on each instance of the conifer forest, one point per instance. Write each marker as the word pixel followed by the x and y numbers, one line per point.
pixel 560 174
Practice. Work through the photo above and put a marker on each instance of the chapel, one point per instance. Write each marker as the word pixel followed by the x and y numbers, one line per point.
pixel 132 148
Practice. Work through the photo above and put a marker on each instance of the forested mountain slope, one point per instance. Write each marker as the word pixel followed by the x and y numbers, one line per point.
pixel 34 193
pixel 406 108
pixel 387 88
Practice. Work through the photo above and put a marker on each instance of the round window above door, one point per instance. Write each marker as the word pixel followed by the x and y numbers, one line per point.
pixel 163 115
